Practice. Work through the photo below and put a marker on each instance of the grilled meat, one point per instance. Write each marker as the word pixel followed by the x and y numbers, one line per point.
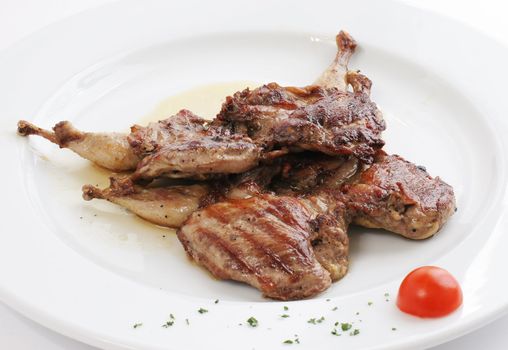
pixel 166 206
pixel 400 197
pixel 313 118
pixel 267 242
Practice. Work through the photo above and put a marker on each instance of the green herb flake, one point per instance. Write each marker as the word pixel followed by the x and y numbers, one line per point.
pixel 335 308
pixel 171 316
pixel 336 323
pixel 287 341
pixel 335 332
pixel 355 332
pixel 168 324
pixel 316 320
pixel 297 341
pixel 387 295
pixel 136 325
pixel 284 316
pixel 202 311
pixel 370 303
pixel 357 313
pixel 327 299
pixel 345 326
pixel 394 329
pixel 187 321
pixel 252 322
pixel 286 308
pixel 216 301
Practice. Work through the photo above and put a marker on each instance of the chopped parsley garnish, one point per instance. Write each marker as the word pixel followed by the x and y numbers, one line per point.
pixel 387 295
pixel 357 313
pixel 252 322
pixel 336 324
pixel 216 301
pixel 335 308
pixel 369 303
pixel 327 299
pixel 202 311
pixel 286 308
pixel 335 333
pixel 345 326
pixel 316 321
pixel 284 316
pixel 136 325
pixel 289 341
pixel 187 321
pixel 355 332
pixel 394 329
pixel 168 324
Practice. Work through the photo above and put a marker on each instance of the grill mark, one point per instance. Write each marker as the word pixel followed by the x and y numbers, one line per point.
pixel 270 226
pixel 246 207
pixel 279 210
pixel 280 264
pixel 233 254
pixel 254 243
pixel 301 259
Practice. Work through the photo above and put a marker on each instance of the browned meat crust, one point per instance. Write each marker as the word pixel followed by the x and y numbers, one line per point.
pixel 182 127
pixel 266 241
pixel 330 121
pixel 401 197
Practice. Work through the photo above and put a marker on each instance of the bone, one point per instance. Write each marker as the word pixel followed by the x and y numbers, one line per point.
pixel 108 150
pixel 336 74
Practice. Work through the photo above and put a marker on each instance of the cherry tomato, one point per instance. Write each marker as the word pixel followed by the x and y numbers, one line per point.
pixel 429 291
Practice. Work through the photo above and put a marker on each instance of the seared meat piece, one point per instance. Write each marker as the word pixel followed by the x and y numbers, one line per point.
pixel 109 150
pixel 400 197
pixel 166 206
pixel 200 158
pixel 181 127
pixel 329 120
pixel 267 242
pixel 184 146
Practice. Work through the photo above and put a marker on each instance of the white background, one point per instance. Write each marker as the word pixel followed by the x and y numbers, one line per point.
pixel 19 18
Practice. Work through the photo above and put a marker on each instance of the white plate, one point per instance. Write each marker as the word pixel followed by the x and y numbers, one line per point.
pixel 90 270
